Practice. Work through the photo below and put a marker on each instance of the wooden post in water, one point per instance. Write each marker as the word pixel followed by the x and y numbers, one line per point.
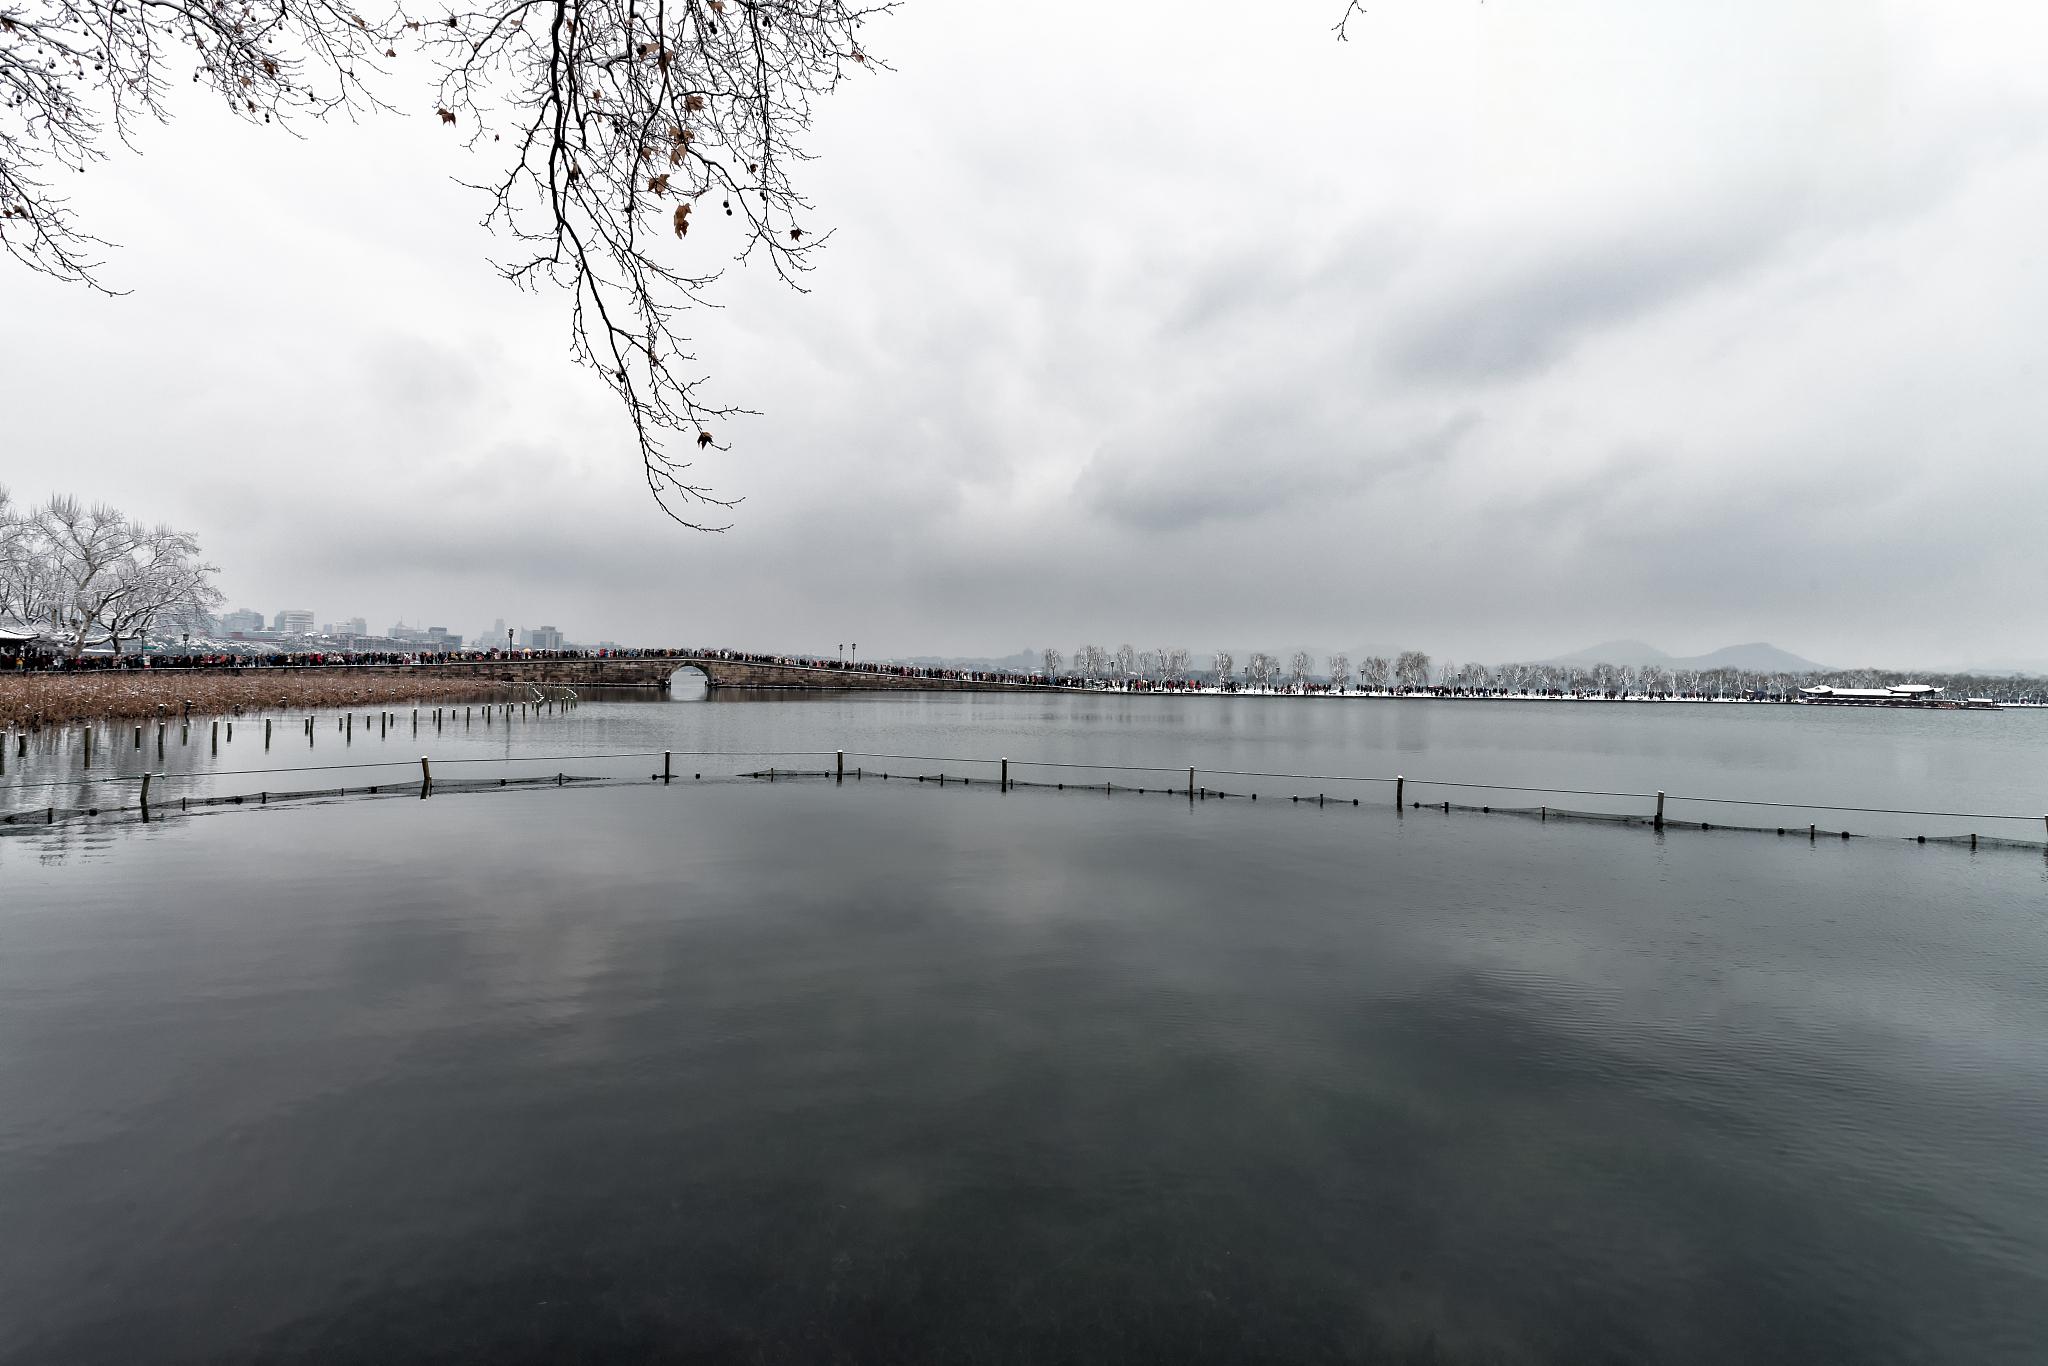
pixel 138 737
pixel 1003 784
pixel 839 773
pixel 145 796
pixel 1660 811
pixel 665 757
pixel 1191 781
pixel 266 735
pixel 426 776
pixel 88 745
pixel 349 728
pixel 1400 785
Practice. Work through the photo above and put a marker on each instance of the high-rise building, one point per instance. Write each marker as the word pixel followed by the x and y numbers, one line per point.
pixel 243 621
pixel 543 638
pixel 294 621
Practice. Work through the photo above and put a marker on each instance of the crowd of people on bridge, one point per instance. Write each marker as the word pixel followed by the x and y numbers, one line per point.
pixel 870 667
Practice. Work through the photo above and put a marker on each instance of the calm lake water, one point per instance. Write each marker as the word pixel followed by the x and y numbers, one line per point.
pixel 883 1071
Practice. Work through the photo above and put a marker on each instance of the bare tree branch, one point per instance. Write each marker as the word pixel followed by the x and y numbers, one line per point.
pixel 611 125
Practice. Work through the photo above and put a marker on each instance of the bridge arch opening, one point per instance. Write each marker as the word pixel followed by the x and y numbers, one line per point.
pixel 689 681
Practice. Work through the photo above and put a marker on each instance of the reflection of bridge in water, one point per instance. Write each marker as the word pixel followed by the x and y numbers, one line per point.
pixel 656 673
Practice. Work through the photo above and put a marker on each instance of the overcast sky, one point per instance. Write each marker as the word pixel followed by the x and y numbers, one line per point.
pixel 1501 329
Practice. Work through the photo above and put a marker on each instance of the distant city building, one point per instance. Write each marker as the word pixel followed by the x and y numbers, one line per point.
pixel 354 626
pixel 441 638
pixel 543 638
pixel 243 621
pixel 293 621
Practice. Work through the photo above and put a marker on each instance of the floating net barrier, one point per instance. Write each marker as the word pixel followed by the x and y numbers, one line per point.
pixel 154 797
pixel 131 797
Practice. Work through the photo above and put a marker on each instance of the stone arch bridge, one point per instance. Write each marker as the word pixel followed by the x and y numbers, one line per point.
pixel 657 672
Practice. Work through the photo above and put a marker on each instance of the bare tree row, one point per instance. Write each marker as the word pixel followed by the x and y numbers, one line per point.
pixel 1412 671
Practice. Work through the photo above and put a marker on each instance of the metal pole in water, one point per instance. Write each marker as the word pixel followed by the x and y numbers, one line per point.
pixel 1660 811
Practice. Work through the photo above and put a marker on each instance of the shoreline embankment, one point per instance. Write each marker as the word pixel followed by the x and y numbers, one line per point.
pixel 56 698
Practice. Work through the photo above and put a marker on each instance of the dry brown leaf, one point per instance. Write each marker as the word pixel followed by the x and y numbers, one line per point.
pixel 796 234
pixel 703 439
pixel 658 185
pixel 682 219
pixel 446 117
pixel 693 103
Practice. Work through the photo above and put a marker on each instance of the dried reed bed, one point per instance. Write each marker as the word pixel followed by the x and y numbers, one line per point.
pixel 55 698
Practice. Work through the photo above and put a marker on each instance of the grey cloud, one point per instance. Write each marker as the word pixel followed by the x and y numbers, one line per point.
pixel 1529 315
pixel 1249 463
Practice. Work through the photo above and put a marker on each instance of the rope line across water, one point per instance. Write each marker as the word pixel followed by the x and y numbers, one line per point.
pixel 1176 769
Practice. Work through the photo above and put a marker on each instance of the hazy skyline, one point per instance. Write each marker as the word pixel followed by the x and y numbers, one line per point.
pixel 1496 332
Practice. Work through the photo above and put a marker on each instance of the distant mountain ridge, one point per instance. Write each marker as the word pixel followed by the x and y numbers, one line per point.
pixel 1757 657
